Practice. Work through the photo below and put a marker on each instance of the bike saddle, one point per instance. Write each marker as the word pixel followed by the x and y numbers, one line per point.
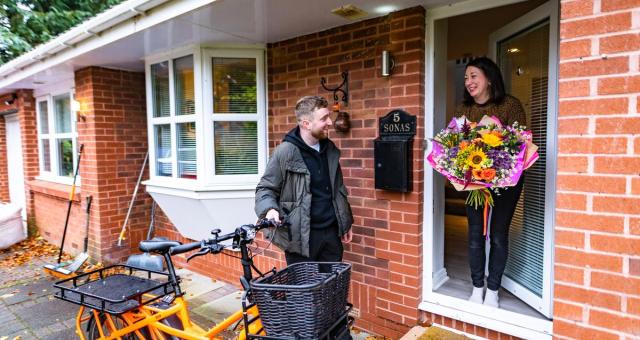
pixel 157 245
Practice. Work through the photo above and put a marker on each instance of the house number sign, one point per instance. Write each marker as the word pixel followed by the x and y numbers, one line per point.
pixel 397 123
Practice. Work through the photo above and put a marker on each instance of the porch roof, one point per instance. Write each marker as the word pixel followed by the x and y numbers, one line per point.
pixel 122 36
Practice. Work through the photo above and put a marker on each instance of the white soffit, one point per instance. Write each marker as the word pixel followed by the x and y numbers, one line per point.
pixel 122 36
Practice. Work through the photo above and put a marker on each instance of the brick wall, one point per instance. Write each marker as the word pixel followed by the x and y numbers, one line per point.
pixel 115 142
pixel 4 171
pixel 28 131
pixel 597 245
pixel 386 252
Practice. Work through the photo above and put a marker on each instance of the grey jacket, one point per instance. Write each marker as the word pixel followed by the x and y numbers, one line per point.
pixel 285 186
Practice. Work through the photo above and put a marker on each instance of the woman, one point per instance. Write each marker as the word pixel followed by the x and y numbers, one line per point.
pixel 484 95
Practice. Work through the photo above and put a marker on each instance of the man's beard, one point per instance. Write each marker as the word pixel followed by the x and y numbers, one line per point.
pixel 320 134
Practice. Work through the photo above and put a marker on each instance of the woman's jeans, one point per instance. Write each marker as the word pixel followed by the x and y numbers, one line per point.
pixel 498 232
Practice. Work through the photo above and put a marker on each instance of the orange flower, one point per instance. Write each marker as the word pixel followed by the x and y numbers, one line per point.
pixel 473 125
pixel 488 174
pixel 463 145
pixel 477 174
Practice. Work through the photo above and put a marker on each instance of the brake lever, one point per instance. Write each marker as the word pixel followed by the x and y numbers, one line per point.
pixel 203 251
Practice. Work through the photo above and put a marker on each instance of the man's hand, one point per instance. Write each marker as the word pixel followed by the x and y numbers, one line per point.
pixel 346 238
pixel 273 214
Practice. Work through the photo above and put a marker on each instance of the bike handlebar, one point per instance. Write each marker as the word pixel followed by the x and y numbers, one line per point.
pixel 241 235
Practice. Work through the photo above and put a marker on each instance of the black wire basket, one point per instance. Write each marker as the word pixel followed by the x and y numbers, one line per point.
pixel 304 299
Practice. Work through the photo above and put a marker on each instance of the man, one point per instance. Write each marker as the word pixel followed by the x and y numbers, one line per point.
pixel 303 183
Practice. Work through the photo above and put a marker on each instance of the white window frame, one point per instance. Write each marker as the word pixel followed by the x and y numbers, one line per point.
pixel 211 117
pixel 206 180
pixel 52 136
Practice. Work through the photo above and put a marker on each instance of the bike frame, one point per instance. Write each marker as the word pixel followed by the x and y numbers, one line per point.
pixel 151 317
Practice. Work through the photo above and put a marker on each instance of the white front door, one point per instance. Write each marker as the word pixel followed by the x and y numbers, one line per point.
pixel 525 50
pixel 14 163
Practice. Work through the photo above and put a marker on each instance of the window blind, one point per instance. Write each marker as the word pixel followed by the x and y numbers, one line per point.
pixel 234 85
pixel 46 155
pixel 186 139
pixel 44 117
pixel 163 150
pixel 236 148
pixel 62 113
pixel 184 85
pixel 160 89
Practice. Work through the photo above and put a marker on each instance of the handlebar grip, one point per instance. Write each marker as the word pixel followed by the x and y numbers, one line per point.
pixel 185 248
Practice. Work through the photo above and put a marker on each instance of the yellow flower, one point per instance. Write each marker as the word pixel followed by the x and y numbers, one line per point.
pixel 475 159
pixel 492 140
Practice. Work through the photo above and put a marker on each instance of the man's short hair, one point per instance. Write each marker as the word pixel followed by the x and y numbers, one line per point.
pixel 306 105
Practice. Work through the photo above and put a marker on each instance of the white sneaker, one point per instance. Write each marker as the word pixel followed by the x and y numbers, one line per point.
pixel 491 298
pixel 476 295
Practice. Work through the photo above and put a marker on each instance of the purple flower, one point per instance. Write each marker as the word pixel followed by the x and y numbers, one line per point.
pixel 453 152
pixel 501 159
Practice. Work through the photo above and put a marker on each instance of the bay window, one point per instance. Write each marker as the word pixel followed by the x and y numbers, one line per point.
pixel 207 118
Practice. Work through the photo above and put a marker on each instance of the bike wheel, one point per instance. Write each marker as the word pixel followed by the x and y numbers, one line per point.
pixel 94 334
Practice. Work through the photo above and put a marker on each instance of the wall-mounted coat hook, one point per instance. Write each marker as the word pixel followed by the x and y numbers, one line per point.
pixel 343 88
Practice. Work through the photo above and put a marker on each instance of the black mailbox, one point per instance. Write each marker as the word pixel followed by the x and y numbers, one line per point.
pixel 393 156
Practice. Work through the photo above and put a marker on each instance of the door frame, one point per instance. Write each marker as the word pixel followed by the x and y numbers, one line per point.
pixel 528 20
pixel 14 119
pixel 496 319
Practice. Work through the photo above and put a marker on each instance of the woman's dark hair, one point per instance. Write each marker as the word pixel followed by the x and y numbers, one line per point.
pixel 492 72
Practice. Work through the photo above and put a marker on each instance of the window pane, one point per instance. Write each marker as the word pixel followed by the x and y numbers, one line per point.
pixel 236 148
pixel 163 150
pixel 160 89
pixel 62 110
pixel 184 85
pixel 234 85
pixel 186 139
pixel 46 155
pixel 65 157
pixel 44 117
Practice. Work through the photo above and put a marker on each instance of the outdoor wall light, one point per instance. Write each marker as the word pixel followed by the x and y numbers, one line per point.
pixel 11 100
pixel 387 63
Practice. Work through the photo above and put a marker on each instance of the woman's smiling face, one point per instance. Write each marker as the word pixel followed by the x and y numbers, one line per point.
pixel 477 84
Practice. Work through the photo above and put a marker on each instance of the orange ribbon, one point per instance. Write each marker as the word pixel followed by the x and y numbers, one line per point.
pixel 486 212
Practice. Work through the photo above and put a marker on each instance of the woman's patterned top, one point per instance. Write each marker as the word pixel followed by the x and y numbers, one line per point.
pixel 509 111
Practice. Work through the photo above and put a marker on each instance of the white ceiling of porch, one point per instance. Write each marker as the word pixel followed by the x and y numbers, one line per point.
pixel 224 21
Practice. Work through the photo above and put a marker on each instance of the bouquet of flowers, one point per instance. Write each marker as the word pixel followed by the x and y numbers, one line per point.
pixel 482 156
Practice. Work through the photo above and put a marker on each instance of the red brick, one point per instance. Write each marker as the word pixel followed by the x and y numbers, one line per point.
pixel 612 321
pixel 574 126
pixel 575 330
pixel 572 9
pixel 615 244
pixel 574 88
pixel 634 265
pixel 620 43
pixel 585 221
pixel 617 165
pixel 591 260
pixel 615 5
pixel 571 201
pixel 596 184
pixel 577 164
pixel 569 239
pixel 621 205
pixel 593 107
pixel 567 311
pixel 598 25
pixel 620 125
pixel 619 85
pixel 593 145
pixel 575 48
pixel 568 274
pixel 595 67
